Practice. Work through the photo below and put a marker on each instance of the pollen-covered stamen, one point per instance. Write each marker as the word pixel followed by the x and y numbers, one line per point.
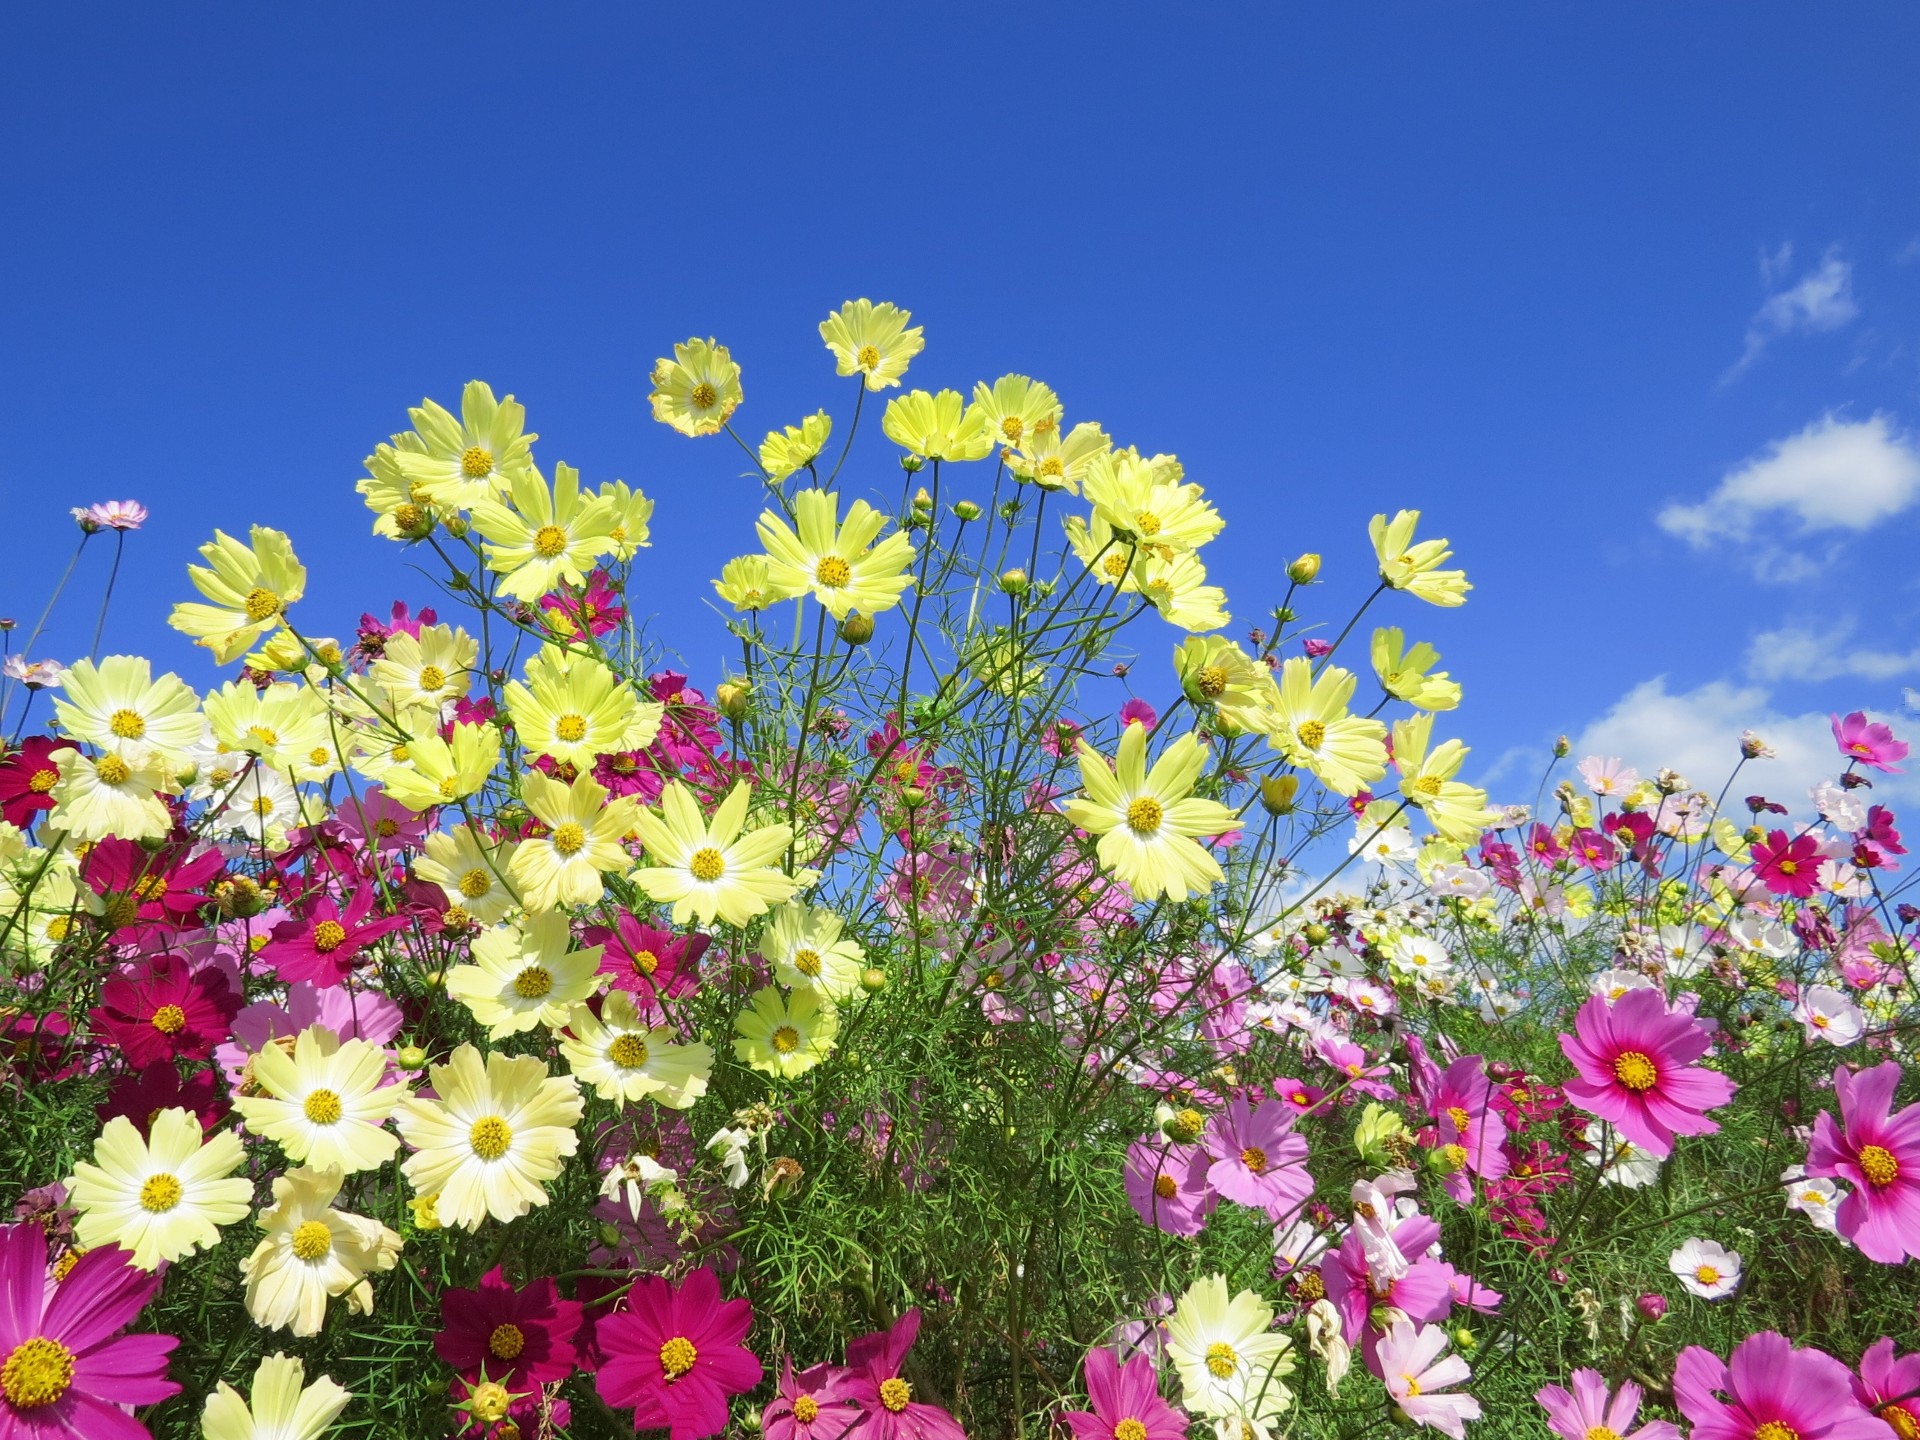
pixel 169 1020
pixel 1460 1118
pixel 549 541
pixel 37 1373
pixel 1144 815
pixel 1254 1158
pixel 895 1394
pixel 786 1039
pixel 570 838
pixel 475 883
pixel 806 1409
pixel 507 1341
pixel 1310 733
pixel 323 1108
pixel 41 781
pixel 1428 786
pixel 570 728
pixel 127 724
pixel 628 1051
pixel 1165 1186
pixel 1147 523
pixel 112 770
pixel 1601 1432
pixel 328 936
pixel 867 357
pixel 645 962
pixel 1221 1360
pixel 489 1137
pixel 476 461
pixel 1635 1071
pixel 532 983
pixel 1012 428
pixel 1879 1166
pixel 312 1241
pixel 833 572
pixel 807 962
pixel 159 1194
pixel 262 604
pixel 707 864
pixel 1210 681
pixel 677 1357
pixel 432 677
pixel 1707 1274
pixel 1774 1430
pixel 704 396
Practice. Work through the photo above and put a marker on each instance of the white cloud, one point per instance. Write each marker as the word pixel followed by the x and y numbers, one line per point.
pixel 1820 300
pixel 1834 475
pixel 1808 652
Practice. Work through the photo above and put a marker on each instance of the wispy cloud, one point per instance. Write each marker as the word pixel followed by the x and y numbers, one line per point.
pixel 1820 300
pixel 1821 652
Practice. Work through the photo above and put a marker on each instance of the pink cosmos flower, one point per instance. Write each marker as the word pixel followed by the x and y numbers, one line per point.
pixel 324 946
pixel 141 1095
pixel 1876 1150
pixel 1258 1160
pixel 1588 1408
pixel 891 1412
pixel 1890 1387
pixel 1465 1122
pixel 352 1014
pixel 1636 1070
pixel 1408 1361
pixel 675 1356
pixel 1423 1289
pixel 1138 712
pixel 1868 742
pixel 521 1338
pixel 811 1405
pixel 69 1371
pixel 1773 1391
pixel 112 515
pixel 648 960
pixel 1787 866
pixel 1126 1402
pixel 1167 1185
pixel 373 821
pixel 164 1010
pixel 1608 775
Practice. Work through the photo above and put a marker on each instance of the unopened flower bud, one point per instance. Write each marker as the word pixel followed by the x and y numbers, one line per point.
pixel 609 1234
pixel 411 1057
pixel 1562 748
pixel 489 1401
pixel 912 796
pixel 1303 570
pixel 966 510
pixel 1651 1306
pixel 873 979
pixel 911 464
pixel 922 500
pixel 856 629
pixel 730 697
pixel 456 526
pixel 1316 934
pixel 1278 792
pixel 1464 1339
pixel 1014 582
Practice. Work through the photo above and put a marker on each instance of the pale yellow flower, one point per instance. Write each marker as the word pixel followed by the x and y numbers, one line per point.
pixel 1148 820
pixel 311 1253
pixel 710 869
pixel 697 391
pixel 472 458
pixel 1018 409
pixel 1415 568
pixel 248 588
pixel 872 340
pixel 838 563
pixel 795 447
pixel 162 1197
pixel 525 975
pixel 938 427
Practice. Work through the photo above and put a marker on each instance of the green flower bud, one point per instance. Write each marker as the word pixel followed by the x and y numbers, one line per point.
pixel 966 510
pixel 873 979
pixel 856 629
pixel 411 1057
pixel 1014 582
pixel 1303 570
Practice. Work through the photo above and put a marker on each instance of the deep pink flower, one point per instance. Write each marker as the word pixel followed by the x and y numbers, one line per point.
pixel 375 821
pixel 164 1010
pixel 1424 1291
pixel 891 1412
pixel 140 1095
pixel 1461 1106
pixel 521 1338
pixel 68 1370
pixel 1773 1392
pixel 1138 712
pixel 674 1356
pixel 324 946
pixel 27 778
pixel 1258 1159
pixel 1868 742
pixel 1297 1095
pixel 811 1405
pixel 1787 866
pixel 1637 1072
pixel 1890 1387
pixel 1876 1150
pixel 137 886
pixel 1167 1185
pixel 1595 851
pixel 649 960
pixel 1126 1402
pixel 596 609
pixel 1588 1408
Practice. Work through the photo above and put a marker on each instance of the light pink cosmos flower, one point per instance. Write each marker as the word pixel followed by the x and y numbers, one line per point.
pixel 1588 1408
pixel 1608 775
pixel 1877 1151
pixel 111 515
pixel 1258 1159
pixel 1167 1185
pixel 1409 1363
pixel 36 674
pixel 1636 1070
pixel 1828 1015
pixel 1772 1390
pixel 1868 742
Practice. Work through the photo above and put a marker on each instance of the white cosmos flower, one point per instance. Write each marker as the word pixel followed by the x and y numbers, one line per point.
pixel 1706 1268
pixel 1827 1014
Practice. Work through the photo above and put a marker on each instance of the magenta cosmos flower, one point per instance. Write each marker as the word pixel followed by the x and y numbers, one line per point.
pixel 1636 1070
pixel 326 945
pixel 811 1405
pixel 1787 866
pixel 1589 1409
pixel 1467 1129
pixel 891 1412
pixel 1774 1392
pixel 520 1338
pixel 1167 1184
pixel 674 1356
pixel 1877 1151
pixel 1258 1159
pixel 1890 1387
pixel 1868 742
pixel 165 1010
pixel 1126 1402
pixel 66 1371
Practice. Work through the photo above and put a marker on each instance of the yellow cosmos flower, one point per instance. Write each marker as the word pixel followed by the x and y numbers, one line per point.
pixel 564 866
pixel 1147 819
pixel 746 582
pixel 98 797
pixel 1313 729
pixel 697 391
pixel 631 515
pixel 325 1104
pixel 1215 671
pixel 163 1197
pixel 707 869
pixel 1177 587
pixel 1129 494
pixel 248 589
pixel 1017 409
pixel 872 340
pixel 1056 462
pixel 500 1129
pixel 1458 811
pixel 286 725
pixel 1415 568
pixel 473 458
pixel 545 537
pixel 283 1406
pixel 837 562
pixel 625 1059
pixel 795 447
pixel 429 671
pixel 938 427
pixel 401 508
pixel 785 1037
pixel 1404 673
pixel 808 952
pixel 471 869
pixel 312 1253
pixel 426 771
pixel 573 708
pixel 523 976
pixel 118 705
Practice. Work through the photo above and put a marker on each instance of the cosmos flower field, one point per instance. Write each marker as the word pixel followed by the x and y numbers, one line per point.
pixel 1009 996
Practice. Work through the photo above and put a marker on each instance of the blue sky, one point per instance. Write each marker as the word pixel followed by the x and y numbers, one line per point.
pixel 1625 298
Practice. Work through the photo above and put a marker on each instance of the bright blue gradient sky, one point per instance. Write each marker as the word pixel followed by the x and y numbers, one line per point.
pixel 1542 271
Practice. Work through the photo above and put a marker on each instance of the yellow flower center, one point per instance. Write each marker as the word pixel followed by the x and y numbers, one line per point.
pixel 1460 1118
pixel 386 829
pixel 549 541
pixel 1878 1165
pixel 786 1039
pixel 1635 1071
pixel 41 781
pixel 707 864
pixel 169 1019
pixel 1147 523
pixel 398 754
pixel 160 1194
pixel 447 787
pixel 1052 468
pixel 328 936
pixel 475 883
pixel 1144 815
pixel 1774 1430
pixel 1428 785
pixel 507 1341
pixel 704 396
pixel 476 461
pixel 807 962
pixel 1115 565
pixel 1901 1419
pixel 1164 1186
pixel 1413 1386
pixel 677 1356
pixel 1221 1361
pixel 312 1240
pixel 489 1137
pixel 832 571
pixel 1013 427
pixel 569 839
pixel 265 734
pixel 127 724
pixel 571 728
pixel 1210 681
pixel 806 1409
pixel 1706 1274
pixel 63 1267
pixel 323 1108
pixel 112 770
pixel 1601 1432
pixel 432 677
pixel 867 358
pixel 37 1373
pixel 895 1393
pixel 1254 1158
pixel 1310 733
pixel 628 1051
pixel 532 982
pixel 1456 1155
pixel 262 604
pixel 645 962
pixel 408 516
